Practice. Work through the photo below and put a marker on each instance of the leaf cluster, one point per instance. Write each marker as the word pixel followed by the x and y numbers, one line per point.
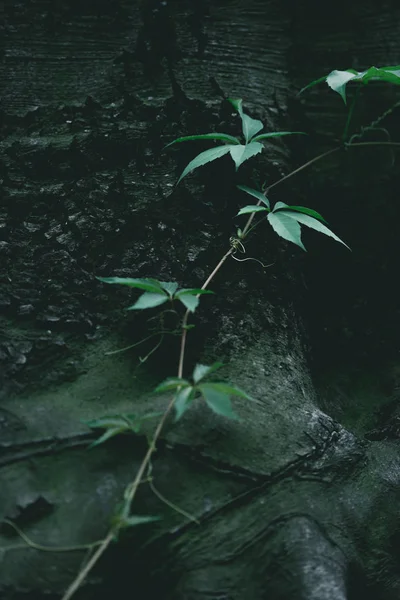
pixel 215 394
pixel 158 292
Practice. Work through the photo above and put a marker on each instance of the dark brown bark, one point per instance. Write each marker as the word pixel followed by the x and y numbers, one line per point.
pixel 299 499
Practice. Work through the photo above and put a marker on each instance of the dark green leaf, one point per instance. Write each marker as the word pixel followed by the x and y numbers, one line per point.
pixel 149 285
pixel 182 402
pixel 172 383
pixel 192 292
pixel 265 136
pixel 111 421
pixel 313 224
pixel 307 211
pixel 241 153
pixel 255 193
pixel 287 228
pixel 204 158
pixel 201 371
pixel 218 401
pixel 149 300
pixel 251 208
pixel 224 137
pixel 237 104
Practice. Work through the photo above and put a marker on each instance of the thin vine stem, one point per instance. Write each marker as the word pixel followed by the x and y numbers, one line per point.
pixel 132 489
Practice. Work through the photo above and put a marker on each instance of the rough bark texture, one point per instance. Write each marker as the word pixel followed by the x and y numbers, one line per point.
pixel 300 499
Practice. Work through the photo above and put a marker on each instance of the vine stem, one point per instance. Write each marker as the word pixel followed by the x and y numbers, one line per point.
pixel 132 489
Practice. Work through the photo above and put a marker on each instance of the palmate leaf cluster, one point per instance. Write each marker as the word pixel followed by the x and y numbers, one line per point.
pixel 215 394
pixel 239 151
pixel 158 292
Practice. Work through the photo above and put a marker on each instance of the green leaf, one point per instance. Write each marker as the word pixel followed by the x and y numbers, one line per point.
pixel 169 287
pixel 265 136
pixel 218 401
pixel 201 371
pixel 255 193
pixel 204 158
pixel 223 137
pixel 231 390
pixel 149 300
pixel 337 81
pixel 313 224
pixel 306 211
pixel 190 302
pixel 315 82
pixel 250 127
pixel 172 383
pixel 107 435
pixel 182 402
pixel 150 285
pixel 279 206
pixel 286 227
pixel 192 292
pixel 237 104
pixel 133 520
pixel 241 153
pixel 251 208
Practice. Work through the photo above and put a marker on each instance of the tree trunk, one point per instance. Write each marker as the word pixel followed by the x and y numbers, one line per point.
pixel 298 499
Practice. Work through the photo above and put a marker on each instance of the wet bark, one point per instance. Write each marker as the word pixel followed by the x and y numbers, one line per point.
pixel 298 499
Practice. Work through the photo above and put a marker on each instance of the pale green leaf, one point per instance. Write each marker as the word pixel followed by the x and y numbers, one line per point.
pixel 265 136
pixel 244 152
pixel 134 520
pixel 223 137
pixel 204 158
pixel 231 390
pixel 182 402
pixel 287 228
pixel 110 421
pixel 149 300
pixel 189 301
pixel 218 401
pixel 149 285
pixel 313 224
pixel 172 383
pixel 255 193
pixel 279 206
pixel 250 127
pixel 337 81
pixel 169 287
pixel 201 371
pixel 251 208
pixel 109 433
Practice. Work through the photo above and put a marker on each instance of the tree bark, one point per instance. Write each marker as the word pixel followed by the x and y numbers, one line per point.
pixel 298 499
